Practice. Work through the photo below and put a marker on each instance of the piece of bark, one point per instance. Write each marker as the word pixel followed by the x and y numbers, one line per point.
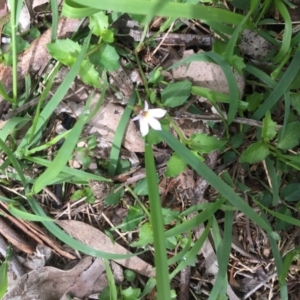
pixel 14 238
pixel 34 232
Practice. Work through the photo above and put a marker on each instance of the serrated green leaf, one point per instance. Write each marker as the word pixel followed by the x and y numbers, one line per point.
pixel 153 137
pixel 254 100
pixel 98 23
pixel 175 165
pixel 133 218
pixel 65 51
pixel 203 143
pixel 291 192
pixel 108 36
pixel 295 101
pixel 89 75
pixel 269 127
pixel 141 188
pixel 290 137
pixel 255 153
pixel 237 140
pixel 155 76
pixel 175 94
pixel 280 224
pixel 145 233
pixel 114 197
pixel 238 63
pixel 169 215
pixel 109 58
pixel 130 293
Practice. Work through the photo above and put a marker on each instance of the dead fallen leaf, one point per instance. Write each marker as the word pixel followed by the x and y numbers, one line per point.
pixel 206 74
pixel 86 282
pixel 98 240
pixel 106 122
pixel 50 283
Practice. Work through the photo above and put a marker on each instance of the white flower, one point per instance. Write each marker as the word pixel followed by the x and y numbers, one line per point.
pixel 148 117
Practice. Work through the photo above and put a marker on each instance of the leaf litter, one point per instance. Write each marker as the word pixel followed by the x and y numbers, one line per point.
pixel 182 189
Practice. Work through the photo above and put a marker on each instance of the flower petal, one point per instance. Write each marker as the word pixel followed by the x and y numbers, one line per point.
pixel 136 118
pixel 146 106
pixel 154 123
pixel 157 112
pixel 144 126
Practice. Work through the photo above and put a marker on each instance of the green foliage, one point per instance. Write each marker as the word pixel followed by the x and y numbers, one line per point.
pixel 130 293
pixel 108 58
pixel 175 166
pixel 175 94
pixel 3 272
pixel 270 90
pixel 269 128
pixel 99 26
pixel 255 153
pixel 83 193
pixel 291 192
pixel 203 143
pixel 289 137
pixel 114 197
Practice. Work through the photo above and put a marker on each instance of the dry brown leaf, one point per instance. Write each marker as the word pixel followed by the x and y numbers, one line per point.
pixel 98 240
pixel 106 122
pixel 35 57
pixel 84 284
pixel 51 284
pixel 206 74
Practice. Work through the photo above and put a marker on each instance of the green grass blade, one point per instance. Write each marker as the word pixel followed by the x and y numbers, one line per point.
pixel 189 224
pixel 111 281
pixel 55 16
pixel 279 268
pixel 274 180
pixel 11 158
pixel 213 179
pixel 65 238
pixel 287 34
pixel 223 254
pixel 3 272
pixel 190 257
pixel 68 172
pixel 62 157
pixel 261 75
pixel 57 97
pixel 21 214
pixel 230 48
pixel 159 8
pixel 160 254
pixel 11 124
pixel 119 135
pixel 227 69
pixel 15 9
pixel 280 89
pixel 181 255
pixel 287 109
